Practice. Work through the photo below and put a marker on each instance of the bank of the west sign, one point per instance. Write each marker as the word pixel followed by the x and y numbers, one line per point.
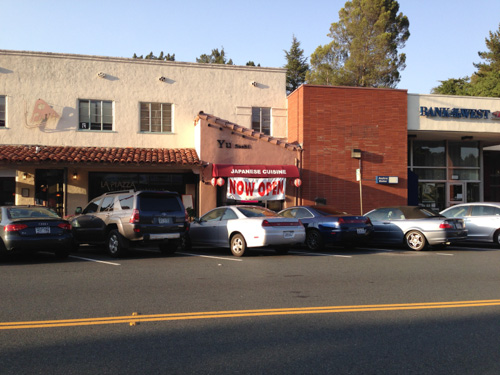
pixel 465 113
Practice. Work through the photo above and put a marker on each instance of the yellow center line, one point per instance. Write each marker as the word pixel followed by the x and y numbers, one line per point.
pixel 133 319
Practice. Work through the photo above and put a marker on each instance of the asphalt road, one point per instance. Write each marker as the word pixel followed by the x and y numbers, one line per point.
pixel 365 311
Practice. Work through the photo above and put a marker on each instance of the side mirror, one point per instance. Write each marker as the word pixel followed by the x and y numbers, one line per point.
pixel 78 211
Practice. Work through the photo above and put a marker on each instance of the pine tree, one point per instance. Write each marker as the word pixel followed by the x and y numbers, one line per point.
pixel 216 57
pixel 296 66
pixel 365 46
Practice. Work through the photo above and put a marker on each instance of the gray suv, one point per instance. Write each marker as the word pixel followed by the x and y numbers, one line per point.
pixel 126 218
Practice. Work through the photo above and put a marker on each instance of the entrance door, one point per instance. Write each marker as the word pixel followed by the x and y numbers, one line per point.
pixel 49 189
pixel 456 193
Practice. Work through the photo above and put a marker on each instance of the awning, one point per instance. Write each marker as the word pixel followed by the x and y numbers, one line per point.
pixel 261 171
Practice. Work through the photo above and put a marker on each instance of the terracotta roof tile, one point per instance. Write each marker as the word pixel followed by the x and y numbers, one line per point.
pixel 101 155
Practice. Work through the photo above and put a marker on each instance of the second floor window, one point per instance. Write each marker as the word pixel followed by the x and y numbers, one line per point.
pixel 95 115
pixel 156 117
pixel 2 111
pixel 261 120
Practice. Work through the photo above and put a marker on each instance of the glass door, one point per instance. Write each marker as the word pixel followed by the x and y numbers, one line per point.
pixel 455 193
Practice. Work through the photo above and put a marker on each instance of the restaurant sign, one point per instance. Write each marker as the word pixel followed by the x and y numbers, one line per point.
pixel 262 189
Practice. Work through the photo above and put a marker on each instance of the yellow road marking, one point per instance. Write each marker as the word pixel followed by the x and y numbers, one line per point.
pixel 134 319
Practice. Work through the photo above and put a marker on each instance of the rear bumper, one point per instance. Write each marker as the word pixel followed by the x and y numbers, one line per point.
pixel 49 243
pixel 438 238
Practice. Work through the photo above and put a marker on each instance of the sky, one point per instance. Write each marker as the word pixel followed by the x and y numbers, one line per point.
pixel 446 35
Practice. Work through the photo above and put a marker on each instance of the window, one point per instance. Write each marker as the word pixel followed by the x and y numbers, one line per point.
pixel 485 211
pixel 261 120
pixel 107 204
pixel 156 117
pixel 95 115
pixel 2 111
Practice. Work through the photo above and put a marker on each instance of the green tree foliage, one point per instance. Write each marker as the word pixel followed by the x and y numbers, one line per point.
pixel 215 57
pixel 251 63
pixel 296 66
pixel 161 56
pixel 365 46
pixel 485 81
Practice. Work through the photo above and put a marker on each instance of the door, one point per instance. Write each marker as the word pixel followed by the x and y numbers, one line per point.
pixel 456 193
pixel 205 230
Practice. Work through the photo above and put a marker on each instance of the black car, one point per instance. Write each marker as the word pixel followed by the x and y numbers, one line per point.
pixel 34 228
pixel 122 219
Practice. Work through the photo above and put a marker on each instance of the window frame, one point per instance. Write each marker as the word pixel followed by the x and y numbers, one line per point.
pixel 3 113
pixel 101 115
pixel 260 122
pixel 150 118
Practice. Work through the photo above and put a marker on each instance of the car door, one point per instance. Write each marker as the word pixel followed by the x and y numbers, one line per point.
pixel 482 223
pixel 222 239
pixel 88 227
pixel 205 230
pixel 385 229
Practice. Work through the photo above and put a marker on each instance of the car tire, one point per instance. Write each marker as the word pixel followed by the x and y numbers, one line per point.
pixel 496 237
pixel 415 240
pixel 117 245
pixel 314 240
pixel 169 247
pixel 238 245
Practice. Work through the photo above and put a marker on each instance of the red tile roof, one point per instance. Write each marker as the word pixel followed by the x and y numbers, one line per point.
pixel 85 155
pixel 246 132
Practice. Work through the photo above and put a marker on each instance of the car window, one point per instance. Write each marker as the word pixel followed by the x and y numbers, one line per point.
pixel 107 204
pixel 456 211
pixel 229 215
pixel 20 213
pixel 303 213
pixel 288 213
pixel 484 211
pixel 92 207
pixel 395 214
pixel 213 215
pixel 159 202
pixel 379 215
pixel 126 201
pixel 256 212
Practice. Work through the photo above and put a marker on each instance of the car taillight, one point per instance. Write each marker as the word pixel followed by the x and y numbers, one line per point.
pixel 134 219
pixel 445 225
pixel 341 220
pixel 267 223
pixel 14 227
pixel 368 221
pixel 65 226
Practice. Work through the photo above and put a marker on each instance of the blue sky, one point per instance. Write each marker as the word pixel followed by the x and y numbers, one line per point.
pixel 445 34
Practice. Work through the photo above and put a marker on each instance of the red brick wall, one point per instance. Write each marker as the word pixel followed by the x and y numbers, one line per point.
pixel 330 122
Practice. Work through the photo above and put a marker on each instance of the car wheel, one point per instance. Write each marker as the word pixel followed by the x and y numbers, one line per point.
pixel 117 244
pixel 496 237
pixel 415 240
pixel 169 247
pixel 314 240
pixel 238 245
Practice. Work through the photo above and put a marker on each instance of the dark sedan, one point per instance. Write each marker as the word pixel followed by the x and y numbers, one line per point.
pixel 327 225
pixel 34 228
pixel 416 227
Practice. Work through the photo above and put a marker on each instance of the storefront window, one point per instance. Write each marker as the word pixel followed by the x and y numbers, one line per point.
pixel 464 154
pixel 430 173
pixel 432 195
pixel 429 153
pixel 473 192
pixel 464 174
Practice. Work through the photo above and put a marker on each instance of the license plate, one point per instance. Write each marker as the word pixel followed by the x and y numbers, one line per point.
pixel 459 225
pixel 288 234
pixel 164 220
pixel 42 230
pixel 361 230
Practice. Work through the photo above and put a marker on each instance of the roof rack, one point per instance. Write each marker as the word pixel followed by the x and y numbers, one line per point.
pixel 119 191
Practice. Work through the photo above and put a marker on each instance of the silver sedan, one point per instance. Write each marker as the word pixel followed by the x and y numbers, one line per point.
pixel 482 220
pixel 415 227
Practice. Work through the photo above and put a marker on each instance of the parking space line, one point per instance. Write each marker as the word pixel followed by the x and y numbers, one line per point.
pixel 95 260
pixel 450 255
pixel 208 256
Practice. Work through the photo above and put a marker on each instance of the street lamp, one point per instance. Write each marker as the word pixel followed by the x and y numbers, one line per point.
pixel 356 154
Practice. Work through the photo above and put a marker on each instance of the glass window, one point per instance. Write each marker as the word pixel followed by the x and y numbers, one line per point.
pixel 465 174
pixel 485 211
pixel 95 115
pixel 156 117
pixel 213 215
pixel 430 173
pixel 429 153
pixel 229 215
pixel 126 201
pixel 261 120
pixel 432 195
pixel 92 207
pixel 459 211
pixel 464 154
pixel 107 204
pixel 2 111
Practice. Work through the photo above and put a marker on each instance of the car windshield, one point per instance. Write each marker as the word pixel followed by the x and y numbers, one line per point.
pixel 256 212
pixel 329 211
pixel 159 202
pixel 30 212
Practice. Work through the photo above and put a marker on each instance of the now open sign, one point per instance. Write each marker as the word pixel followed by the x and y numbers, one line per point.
pixel 263 189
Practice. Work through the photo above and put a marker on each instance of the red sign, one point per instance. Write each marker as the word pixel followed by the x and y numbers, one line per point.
pixel 262 171
pixel 262 189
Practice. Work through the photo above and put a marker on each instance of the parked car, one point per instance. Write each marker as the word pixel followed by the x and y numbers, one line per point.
pixel 327 225
pixel 415 226
pixel 34 228
pixel 482 220
pixel 241 227
pixel 127 218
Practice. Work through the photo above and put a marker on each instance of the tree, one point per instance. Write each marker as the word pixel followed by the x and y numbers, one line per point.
pixel 485 81
pixel 215 58
pixel 296 66
pixel 168 57
pixel 365 47
pixel 251 63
